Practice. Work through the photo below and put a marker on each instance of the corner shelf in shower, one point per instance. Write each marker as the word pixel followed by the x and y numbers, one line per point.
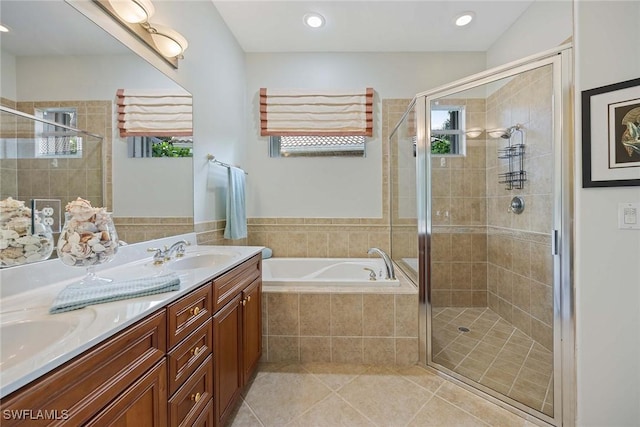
pixel 516 176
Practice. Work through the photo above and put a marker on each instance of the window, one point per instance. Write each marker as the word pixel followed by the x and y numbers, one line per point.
pixel 316 122
pixel 447 129
pixel 159 146
pixel 57 141
pixel 289 146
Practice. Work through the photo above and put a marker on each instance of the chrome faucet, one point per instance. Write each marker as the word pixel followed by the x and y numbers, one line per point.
pixel 161 256
pixel 178 247
pixel 391 273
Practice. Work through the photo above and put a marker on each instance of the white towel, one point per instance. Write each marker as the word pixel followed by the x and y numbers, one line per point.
pixel 236 227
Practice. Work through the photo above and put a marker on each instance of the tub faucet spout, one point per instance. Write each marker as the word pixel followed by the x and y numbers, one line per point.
pixel 391 274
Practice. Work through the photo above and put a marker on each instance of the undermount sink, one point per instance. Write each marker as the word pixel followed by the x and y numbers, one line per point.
pixel 21 340
pixel 25 334
pixel 205 260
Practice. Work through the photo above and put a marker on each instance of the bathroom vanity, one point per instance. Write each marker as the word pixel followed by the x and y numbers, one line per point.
pixel 181 360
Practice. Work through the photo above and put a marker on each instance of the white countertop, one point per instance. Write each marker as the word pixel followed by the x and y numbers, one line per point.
pixel 28 291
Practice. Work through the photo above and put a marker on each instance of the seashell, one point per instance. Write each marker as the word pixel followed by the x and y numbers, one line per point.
pixel 85 237
pixel 93 241
pixel 87 227
pixel 105 236
pixel 74 238
pixel 98 248
pixel 28 240
pixel 68 259
pixel 11 253
pixel 31 248
pixel 34 257
pixel 9 234
pixel 80 251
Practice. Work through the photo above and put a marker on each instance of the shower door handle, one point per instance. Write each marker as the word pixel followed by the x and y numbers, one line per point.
pixel 555 249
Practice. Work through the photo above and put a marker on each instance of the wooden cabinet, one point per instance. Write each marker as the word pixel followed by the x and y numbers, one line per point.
pixel 184 365
pixel 251 329
pixel 143 404
pixel 237 334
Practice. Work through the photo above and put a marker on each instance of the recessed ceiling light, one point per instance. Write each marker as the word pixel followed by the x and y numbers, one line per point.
pixel 313 20
pixel 3 29
pixel 464 18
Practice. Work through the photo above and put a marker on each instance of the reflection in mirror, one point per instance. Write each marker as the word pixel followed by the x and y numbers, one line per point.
pixel 404 221
pixel 84 73
pixel 44 164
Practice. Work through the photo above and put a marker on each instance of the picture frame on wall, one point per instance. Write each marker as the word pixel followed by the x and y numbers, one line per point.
pixel 611 135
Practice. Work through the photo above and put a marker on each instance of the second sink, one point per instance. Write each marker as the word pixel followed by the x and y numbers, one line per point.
pixel 205 260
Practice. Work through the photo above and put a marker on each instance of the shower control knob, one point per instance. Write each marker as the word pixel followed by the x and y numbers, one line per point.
pixel 517 205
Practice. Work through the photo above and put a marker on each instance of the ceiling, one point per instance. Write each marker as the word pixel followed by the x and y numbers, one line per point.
pixel 368 25
pixel 276 26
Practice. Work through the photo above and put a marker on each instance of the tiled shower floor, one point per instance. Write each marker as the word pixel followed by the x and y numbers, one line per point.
pixel 495 354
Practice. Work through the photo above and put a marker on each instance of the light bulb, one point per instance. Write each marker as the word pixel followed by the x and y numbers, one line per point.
pixel 314 20
pixel 133 11
pixel 464 18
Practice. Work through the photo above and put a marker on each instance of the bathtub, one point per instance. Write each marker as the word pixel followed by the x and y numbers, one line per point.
pixel 333 272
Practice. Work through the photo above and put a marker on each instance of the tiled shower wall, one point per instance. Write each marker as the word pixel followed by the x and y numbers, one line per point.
pixel 459 239
pixel 520 264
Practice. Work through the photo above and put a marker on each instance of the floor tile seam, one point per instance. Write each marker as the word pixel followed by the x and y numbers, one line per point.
pixel 464 410
pixel 309 408
pixel 549 387
pixel 433 395
pixel 252 411
pixel 353 407
pixel 496 357
pixel 520 370
pixel 479 341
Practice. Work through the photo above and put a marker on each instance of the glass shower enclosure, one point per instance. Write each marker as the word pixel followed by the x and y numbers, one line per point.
pixel 487 234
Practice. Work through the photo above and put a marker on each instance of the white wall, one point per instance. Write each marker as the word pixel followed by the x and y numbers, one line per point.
pixel 607 267
pixel 8 75
pixel 213 70
pixel 334 187
pixel 544 25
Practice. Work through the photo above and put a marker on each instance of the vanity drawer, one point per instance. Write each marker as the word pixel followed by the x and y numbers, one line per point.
pixel 186 405
pixel 187 314
pixel 188 355
pixel 206 417
pixel 228 285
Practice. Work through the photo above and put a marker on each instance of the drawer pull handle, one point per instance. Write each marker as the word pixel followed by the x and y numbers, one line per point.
pixel 244 302
pixel 195 351
pixel 194 311
pixel 249 298
pixel 196 397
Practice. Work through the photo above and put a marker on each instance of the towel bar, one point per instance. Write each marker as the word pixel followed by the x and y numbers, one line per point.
pixel 213 159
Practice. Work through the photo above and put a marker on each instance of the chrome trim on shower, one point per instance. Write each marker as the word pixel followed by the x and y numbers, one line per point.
pixel 563 290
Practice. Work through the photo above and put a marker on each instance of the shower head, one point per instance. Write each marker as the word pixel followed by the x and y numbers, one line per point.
pixel 503 132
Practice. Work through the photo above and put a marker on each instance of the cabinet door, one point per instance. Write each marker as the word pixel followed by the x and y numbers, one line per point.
pixel 144 403
pixel 252 328
pixel 227 358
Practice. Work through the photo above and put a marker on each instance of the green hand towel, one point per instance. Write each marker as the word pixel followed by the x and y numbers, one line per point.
pixel 77 296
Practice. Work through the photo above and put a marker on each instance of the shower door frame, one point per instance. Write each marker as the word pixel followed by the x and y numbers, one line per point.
pixel 562 234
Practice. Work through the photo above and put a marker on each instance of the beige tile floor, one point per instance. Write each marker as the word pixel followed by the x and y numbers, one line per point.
pixel 328 395
pixel 495 354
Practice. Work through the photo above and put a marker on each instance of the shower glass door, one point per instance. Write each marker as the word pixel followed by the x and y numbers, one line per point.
pixel 490 148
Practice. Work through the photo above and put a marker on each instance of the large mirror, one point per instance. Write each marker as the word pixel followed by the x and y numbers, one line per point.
pixel 54 58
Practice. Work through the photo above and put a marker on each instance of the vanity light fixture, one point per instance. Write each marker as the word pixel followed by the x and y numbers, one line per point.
pixel 133 11
pixel 464 18
pixel 169 42
pixel 473 132
pixel 3 29
pixel 134 16
pixel 313 20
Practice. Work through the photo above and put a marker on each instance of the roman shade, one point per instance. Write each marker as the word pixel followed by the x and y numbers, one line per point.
pixel 154 113
pixel 316 112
